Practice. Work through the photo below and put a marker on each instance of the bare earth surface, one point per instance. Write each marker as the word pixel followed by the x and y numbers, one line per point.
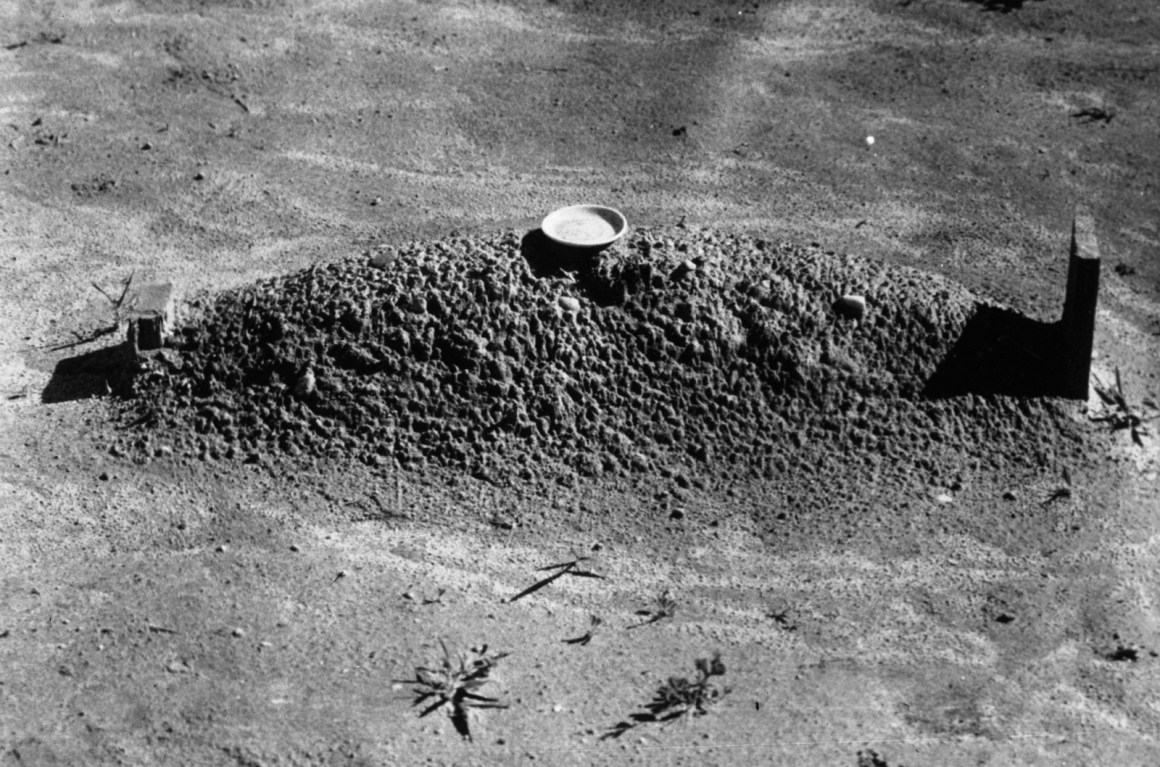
pixel 236 568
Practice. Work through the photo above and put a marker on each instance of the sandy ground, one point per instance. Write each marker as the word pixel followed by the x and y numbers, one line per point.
pixel 207 613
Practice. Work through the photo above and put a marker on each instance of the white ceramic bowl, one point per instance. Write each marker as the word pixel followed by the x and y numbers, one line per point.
pixel 585 226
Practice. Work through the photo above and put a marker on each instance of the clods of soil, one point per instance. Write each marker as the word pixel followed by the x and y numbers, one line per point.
pixel 680 352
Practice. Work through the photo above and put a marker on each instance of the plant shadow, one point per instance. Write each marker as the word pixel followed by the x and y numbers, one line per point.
pixel 999 6
pixel 636 720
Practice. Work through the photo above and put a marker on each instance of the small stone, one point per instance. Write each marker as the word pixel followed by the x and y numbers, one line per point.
pixel 306 384
pixel 383 259
pixel 944 498
pixel 222 548
pixel 239 632
pixel 851 306
pixel 376 202
pixel 199 176
pixel 177 667
pixel 569 304
pixel 1009 495
pixel 677 514
pixel 414 304
pixel 686 268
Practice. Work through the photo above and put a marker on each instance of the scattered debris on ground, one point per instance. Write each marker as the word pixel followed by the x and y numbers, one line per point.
pixel 570 567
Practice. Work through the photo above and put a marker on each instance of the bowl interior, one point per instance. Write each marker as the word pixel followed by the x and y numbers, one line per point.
pixel 585 225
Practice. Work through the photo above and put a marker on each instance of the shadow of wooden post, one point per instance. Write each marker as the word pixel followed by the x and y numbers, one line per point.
pixel 1079 308
pixel 1002 352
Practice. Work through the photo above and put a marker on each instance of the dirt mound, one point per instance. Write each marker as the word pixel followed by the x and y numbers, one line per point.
pixel 679 345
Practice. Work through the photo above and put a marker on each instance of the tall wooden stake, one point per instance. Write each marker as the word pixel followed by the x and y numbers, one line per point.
pixel 1079 308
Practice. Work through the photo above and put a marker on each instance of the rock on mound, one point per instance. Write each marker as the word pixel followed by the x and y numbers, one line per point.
pixel 674 345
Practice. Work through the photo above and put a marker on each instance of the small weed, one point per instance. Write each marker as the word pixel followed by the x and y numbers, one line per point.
pixel 1120 414
pixel 664 607
pixel 584 639
pixel 455 682
pixel 782 619
pixel 870 758
pixel 679 697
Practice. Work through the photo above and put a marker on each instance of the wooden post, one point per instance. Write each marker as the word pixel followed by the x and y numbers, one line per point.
pixel 1079 308
pixel 149 312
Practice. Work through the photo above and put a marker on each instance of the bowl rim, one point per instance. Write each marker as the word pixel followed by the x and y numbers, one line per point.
pixel 614 217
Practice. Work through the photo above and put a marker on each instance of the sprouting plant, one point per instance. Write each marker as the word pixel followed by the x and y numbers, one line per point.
pixel 1119 413
pixel 455 682
pixel 870 758
pixel 664 606
pixel 679 697
pixel 586 637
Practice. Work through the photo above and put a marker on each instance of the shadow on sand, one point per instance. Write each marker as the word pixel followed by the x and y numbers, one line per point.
pixel 1000 6
pixel 92 374
pixel 550 259
pixel 1002 352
